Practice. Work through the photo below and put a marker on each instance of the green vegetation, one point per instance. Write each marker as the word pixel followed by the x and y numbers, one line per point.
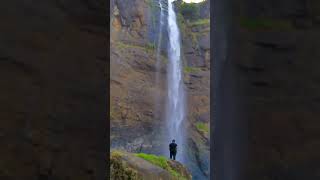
pixel 203 127
pixel 186 23
pixel 112 113
pixel 119 170
pixel 151 46
pixel 181 22
pixel 153 8
pixel 200 22
pixel 156 160
pixel 161 162
pixel 265 24
pixel 189 69
pixel 190 10
pixel 148 47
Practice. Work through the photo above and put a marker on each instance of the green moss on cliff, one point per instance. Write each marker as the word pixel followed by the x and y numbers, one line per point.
pixel 188 69
pixel 200 22
pixel 203 127
pixel 161 162
pixel 149 47
pixel 153 9
pixel 254 24
pixel 156 160
pixel 181 23
pixel 190 10
pixel 112 112
pixel 192 28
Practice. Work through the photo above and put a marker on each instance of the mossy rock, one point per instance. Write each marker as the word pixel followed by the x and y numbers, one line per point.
pixel 203 127
pixel 189 69
pixel 175 169
pixel 119 170
pixel 128 166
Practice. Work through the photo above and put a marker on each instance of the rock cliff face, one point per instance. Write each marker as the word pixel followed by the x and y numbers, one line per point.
pixel 53 81
pixel 273 59
pixel 132 74
pixel 134 95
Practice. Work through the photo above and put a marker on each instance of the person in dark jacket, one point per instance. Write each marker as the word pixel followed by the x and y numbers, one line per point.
pixel 173 150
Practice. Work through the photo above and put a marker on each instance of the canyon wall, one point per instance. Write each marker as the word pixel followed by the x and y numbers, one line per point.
pixel 271 65
pixel 53 90
pixel 137 104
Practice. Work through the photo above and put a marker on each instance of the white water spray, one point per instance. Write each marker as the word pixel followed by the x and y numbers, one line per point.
pixel 175 111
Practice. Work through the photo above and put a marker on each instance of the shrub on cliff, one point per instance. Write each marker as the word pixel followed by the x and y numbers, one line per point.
pixel 190 10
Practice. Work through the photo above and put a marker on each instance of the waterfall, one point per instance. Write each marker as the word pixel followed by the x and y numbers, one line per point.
pixel 175 107
pixel 158 56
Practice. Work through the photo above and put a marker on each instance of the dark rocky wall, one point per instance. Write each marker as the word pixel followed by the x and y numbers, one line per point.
pixel 53 90
pixel 270 77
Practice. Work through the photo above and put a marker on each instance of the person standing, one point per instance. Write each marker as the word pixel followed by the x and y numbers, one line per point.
pixel 173 150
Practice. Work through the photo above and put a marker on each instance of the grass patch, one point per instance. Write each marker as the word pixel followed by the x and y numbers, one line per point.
pixel 203 127
pixel 200 22
pixel 149 47
pixel 265 24
pixel 156 160
pixel 161 162
pixel 189 69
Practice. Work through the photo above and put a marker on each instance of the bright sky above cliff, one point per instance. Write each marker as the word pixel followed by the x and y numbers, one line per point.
pixel 193 1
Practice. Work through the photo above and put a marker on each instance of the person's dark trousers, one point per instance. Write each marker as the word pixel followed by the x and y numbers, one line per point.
pixel 173 155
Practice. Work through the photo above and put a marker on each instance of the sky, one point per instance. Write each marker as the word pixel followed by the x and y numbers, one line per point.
pixel 192 1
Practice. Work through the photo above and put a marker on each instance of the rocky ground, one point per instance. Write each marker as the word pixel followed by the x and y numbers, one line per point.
pixel 135 96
